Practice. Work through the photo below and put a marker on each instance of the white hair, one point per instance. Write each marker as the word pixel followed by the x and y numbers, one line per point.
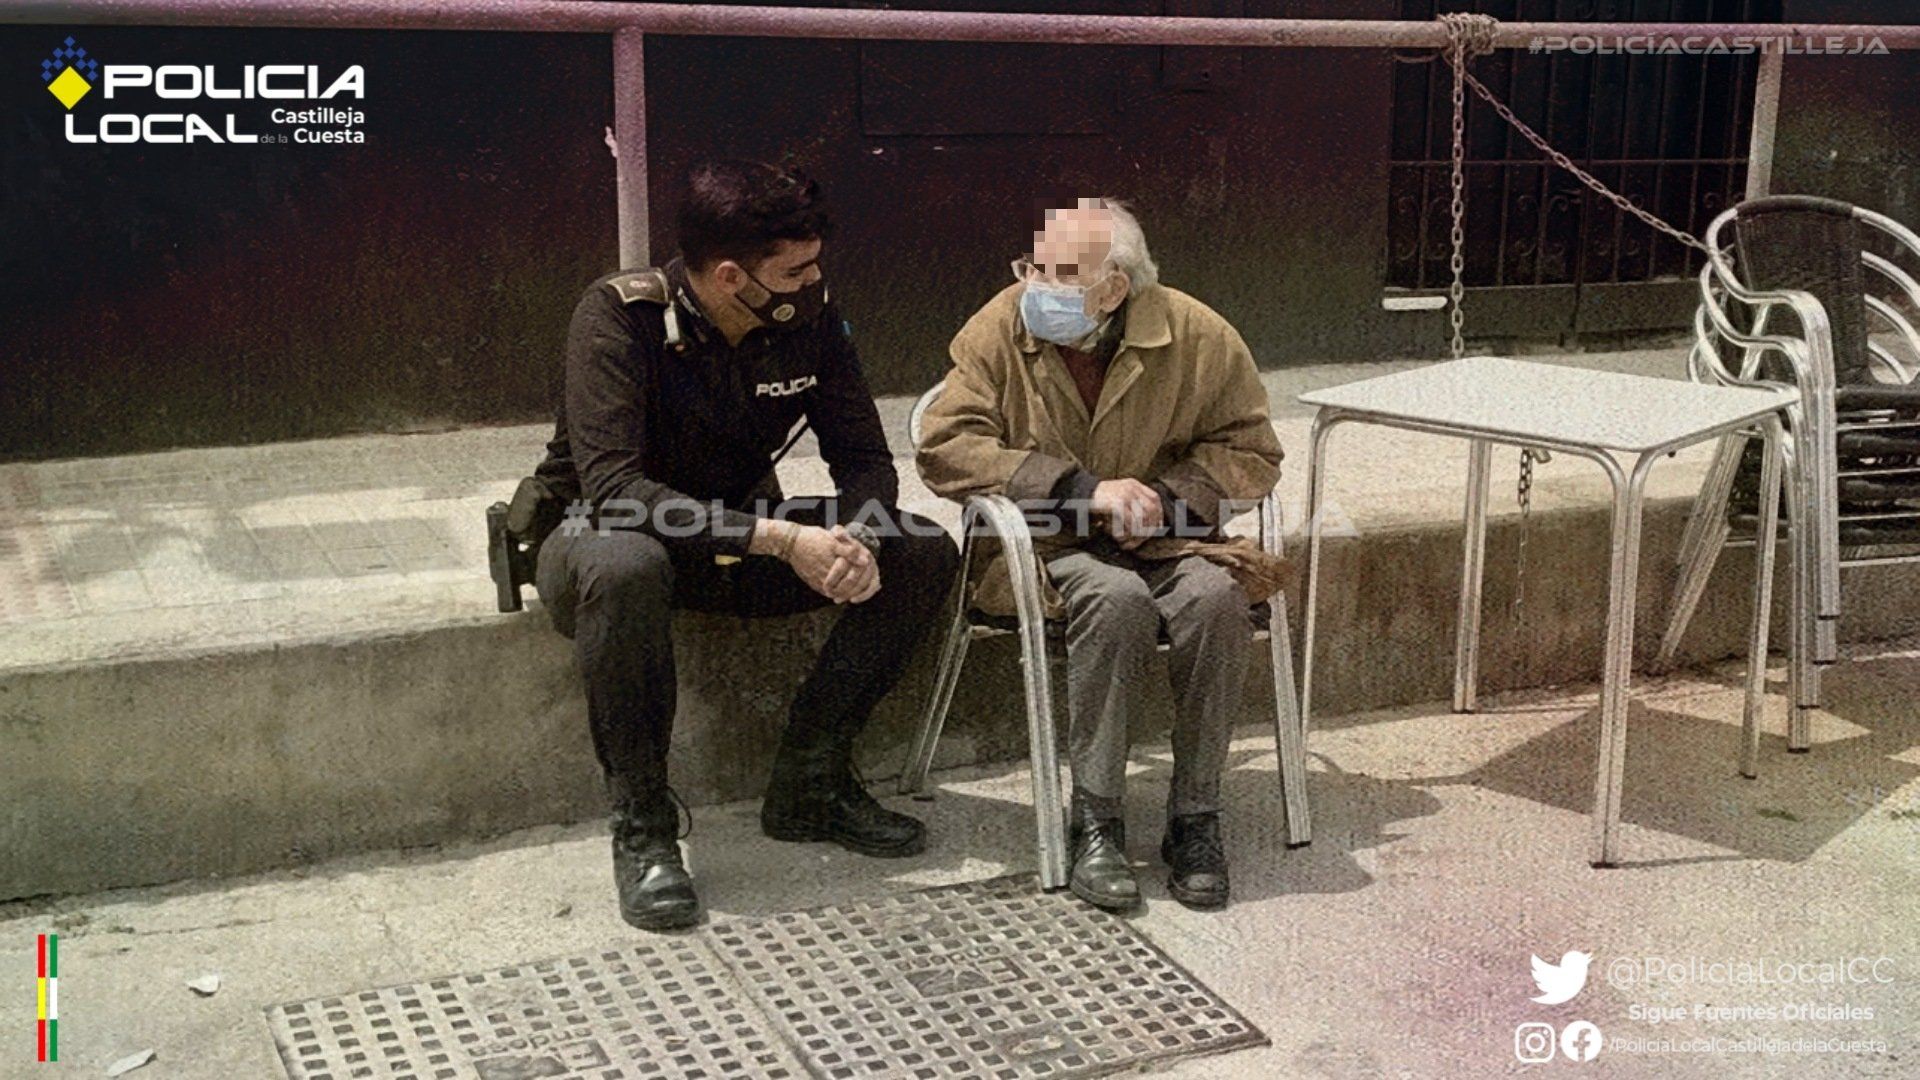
pixel 1129 251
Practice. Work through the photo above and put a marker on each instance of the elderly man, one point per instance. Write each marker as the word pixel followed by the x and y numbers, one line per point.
pixel 1135 413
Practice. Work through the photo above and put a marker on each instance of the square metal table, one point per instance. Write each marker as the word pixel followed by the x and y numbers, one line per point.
pixel 1622 422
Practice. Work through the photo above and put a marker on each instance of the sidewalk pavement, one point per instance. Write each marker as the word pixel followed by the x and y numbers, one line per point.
pixel 1448 849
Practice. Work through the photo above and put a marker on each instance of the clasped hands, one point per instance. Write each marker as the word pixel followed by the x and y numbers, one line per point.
pixel 832 562
pixel 1129 510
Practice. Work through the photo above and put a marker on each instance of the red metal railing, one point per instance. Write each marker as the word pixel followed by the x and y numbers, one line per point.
pixel 630 23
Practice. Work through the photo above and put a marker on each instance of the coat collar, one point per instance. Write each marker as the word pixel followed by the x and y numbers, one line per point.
pixel 680 291
pixel 702 326
pixel 1145 311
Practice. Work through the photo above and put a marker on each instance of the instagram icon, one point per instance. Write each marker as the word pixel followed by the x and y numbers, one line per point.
pixel 1534 1043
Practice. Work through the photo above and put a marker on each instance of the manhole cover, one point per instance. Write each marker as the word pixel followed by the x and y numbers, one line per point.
pixel 987 979
pixel 664 1009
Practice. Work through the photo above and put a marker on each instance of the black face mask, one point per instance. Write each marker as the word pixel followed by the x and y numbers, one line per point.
pixel 786 310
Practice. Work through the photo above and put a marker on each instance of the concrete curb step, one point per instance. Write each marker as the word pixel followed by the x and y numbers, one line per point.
pixel 163 768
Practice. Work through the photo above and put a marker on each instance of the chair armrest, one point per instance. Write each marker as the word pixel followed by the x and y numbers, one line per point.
pixel 920 406
pixel 1810 354
pixel 1001 518
pixel 1271 523
pixel 1711 319
pixel 1908 244
pixel 1902 371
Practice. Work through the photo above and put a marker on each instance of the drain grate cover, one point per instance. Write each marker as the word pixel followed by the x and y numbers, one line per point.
pixel 987 979
pixel 663 1009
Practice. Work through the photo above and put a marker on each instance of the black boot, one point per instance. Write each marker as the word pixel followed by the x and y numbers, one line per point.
pixel 656 892
pixel 814 794
pixel 1101 874
pixel 1197 861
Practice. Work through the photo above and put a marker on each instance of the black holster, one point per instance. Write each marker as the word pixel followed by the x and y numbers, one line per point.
pixel 515 531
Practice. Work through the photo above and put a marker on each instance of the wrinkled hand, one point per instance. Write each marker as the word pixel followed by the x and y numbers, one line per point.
pixel 1129 509
pixel 835 565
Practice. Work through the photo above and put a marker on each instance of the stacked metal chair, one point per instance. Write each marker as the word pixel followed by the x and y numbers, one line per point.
pixel 1002 519
pixel 1853 451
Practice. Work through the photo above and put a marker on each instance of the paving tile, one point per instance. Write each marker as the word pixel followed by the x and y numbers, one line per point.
pixel 363 560
pixel 294 566
pixel 406 530
pixel 342 535
pixel 117 590
pixel 417 558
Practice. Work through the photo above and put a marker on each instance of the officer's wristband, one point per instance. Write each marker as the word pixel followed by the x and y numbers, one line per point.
pixel 785 554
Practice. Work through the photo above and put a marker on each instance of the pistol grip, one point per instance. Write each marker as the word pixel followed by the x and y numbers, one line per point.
pixel 500 560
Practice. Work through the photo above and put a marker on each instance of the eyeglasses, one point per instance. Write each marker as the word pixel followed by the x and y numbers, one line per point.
pixel 1026 270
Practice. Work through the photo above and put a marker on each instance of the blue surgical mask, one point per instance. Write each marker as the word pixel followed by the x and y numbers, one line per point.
pixel 1056 313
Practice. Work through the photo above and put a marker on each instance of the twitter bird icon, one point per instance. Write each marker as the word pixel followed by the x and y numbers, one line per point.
pixel 1562 982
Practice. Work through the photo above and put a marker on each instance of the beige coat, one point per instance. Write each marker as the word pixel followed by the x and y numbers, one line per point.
pixel 1182 404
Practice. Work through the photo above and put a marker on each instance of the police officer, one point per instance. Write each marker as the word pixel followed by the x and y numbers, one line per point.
pixel 680 384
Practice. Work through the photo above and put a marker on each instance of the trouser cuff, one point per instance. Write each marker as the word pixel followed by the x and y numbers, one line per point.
pixel 635 794
pixel 1181 805
pixel 1101 807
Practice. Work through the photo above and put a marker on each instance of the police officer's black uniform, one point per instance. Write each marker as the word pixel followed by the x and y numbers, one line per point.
pixel 661 414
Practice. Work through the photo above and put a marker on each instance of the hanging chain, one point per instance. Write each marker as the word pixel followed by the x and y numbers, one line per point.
pixel 1625 204
pixel 1470 35
pixel 1525 496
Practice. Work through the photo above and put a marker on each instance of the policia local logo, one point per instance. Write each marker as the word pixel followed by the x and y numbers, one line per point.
pixel 70 75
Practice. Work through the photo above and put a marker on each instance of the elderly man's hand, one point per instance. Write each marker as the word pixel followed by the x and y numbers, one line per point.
pixel 1130 510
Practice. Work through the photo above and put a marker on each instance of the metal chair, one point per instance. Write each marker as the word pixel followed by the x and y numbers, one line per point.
pixel 1002 518
pixel 1852 459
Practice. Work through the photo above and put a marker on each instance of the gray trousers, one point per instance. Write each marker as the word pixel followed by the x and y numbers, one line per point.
pixel 1115 606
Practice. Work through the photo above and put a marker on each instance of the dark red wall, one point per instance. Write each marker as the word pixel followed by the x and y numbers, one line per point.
pixel 192 295
pixel 182 295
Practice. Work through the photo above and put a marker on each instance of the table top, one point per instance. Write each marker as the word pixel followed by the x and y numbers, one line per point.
pixel 1520 401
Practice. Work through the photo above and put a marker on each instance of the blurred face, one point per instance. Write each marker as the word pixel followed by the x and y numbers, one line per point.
pixel 1072 249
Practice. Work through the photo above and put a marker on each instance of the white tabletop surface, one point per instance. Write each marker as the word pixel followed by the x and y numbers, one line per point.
pixel 1517 401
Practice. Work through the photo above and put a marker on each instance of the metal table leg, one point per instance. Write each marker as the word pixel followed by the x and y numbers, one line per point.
pixel 1629 491
pixel 1803 676
pixel 1323 425
pixel 1706 535
pixel 1763 551
pixel 1466 645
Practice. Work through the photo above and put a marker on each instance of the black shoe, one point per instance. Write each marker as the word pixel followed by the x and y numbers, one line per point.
pixel 656 892
pixel 1101 874
pixel 831 803
pixel 1197 861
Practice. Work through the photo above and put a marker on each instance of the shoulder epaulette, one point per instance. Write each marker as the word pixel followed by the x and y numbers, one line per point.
pixel 649 285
